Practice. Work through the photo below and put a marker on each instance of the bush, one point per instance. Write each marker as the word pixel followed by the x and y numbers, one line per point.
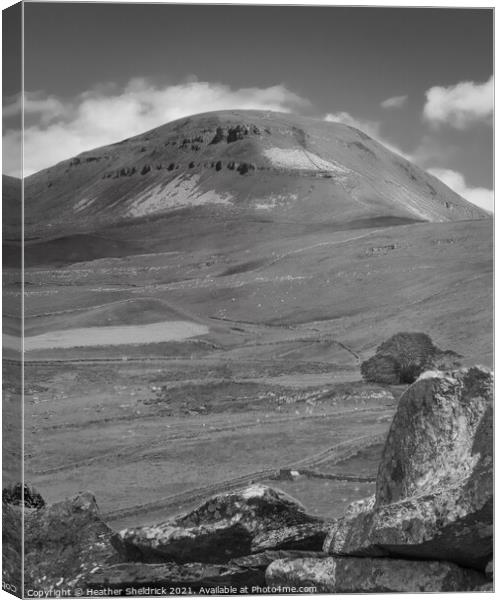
pixel 380 369
pixel 401 359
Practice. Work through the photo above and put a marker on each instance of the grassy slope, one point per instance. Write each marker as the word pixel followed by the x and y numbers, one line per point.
pixel 358 286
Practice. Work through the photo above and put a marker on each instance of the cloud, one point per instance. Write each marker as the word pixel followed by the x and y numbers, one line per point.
pixel 100 117
pixel 35 103
pixel 481 197
pixel 394 102
pixel 460 105
pixel 371 128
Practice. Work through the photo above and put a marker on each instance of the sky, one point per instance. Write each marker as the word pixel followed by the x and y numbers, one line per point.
pixel 419 80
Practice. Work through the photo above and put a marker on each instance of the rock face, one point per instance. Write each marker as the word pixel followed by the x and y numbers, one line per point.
pixel 64 542
pixel 356 575
pixel 455 525
pixel 434 497
pixel 220 529
pixel 437 436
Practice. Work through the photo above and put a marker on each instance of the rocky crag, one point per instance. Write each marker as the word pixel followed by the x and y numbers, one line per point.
pixel 428 527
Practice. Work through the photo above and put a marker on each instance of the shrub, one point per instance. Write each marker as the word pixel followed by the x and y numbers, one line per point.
pixel 380 369
pixel 402 358
pixel 245 168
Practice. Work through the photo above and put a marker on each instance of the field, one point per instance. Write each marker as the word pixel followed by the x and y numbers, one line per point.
pixel 263 376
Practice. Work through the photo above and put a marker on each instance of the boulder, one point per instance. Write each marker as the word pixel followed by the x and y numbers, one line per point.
pixel 453 524
pixel 212 543
pixel 371 575
pixel 309 536
pixel 64 542
pixel 220 529
pixel 434 498
pixel 433 441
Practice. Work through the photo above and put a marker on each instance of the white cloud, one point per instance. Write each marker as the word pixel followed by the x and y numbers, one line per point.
pixel 460 105
pixel 394 102
pixel 371 128
pixel 481 197
pixel 97 118
pixel 35 103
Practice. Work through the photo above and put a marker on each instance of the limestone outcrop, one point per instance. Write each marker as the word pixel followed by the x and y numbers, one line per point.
pixel 222 528
pixel 434 495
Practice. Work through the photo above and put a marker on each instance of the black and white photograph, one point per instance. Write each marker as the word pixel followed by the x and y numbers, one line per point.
pixel 247 299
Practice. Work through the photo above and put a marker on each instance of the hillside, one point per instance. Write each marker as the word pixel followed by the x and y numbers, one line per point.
pixel 238 164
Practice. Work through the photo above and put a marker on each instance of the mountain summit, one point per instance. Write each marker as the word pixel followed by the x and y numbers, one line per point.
pixel 274 166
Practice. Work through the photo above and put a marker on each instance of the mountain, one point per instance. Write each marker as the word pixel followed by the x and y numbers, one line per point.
pixel 264 218
pixel 261 164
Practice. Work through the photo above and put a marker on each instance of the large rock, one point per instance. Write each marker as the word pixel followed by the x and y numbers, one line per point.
pixel 64 542
pixel 453 524
pixel 220 529
pixel 433 441
pixel 357 575
pixel 442 420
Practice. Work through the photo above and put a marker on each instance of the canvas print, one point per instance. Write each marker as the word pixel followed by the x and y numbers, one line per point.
pixel 248 299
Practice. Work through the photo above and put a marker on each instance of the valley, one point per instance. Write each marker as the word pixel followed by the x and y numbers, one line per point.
pixel 193 329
